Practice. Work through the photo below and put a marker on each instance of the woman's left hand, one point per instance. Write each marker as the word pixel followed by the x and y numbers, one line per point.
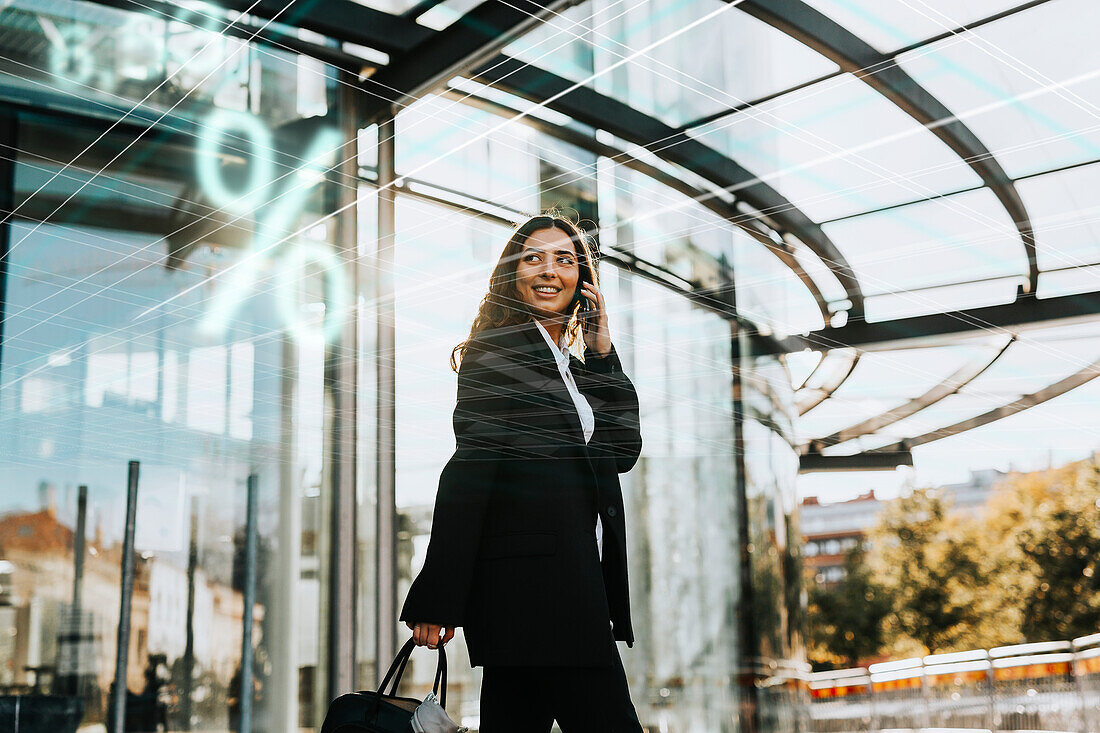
pixel 597 336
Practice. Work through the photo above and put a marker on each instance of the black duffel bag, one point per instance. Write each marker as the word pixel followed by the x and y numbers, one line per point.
pixel 375 711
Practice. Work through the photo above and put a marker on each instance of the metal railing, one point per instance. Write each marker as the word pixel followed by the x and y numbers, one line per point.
pixel 1048 686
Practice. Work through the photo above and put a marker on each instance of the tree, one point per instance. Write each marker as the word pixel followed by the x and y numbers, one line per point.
pixel 846 620
pixel 1049 524
pixel 931 569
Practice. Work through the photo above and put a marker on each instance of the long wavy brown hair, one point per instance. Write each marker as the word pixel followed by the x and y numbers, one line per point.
pixel 502 305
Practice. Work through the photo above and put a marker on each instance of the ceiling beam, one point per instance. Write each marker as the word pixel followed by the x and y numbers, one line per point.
pixel 881 73
pixel 1009 318
pixel 815 462
pixel 470 41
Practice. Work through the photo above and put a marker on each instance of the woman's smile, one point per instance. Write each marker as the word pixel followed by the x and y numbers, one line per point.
pixel 547 291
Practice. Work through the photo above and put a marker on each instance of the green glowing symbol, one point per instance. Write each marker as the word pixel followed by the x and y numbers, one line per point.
pixel 276 215
pixel 289 270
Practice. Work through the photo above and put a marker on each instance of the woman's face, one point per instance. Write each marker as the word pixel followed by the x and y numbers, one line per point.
pixel 547 272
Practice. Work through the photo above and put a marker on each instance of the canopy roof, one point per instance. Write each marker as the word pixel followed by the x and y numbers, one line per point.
pixel 923 169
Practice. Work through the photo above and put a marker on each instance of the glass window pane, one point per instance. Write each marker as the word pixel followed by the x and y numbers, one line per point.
pixel 1029 365
pixel 1024 85
pixel 838 148
pixel 940 299
pixel 441 272
pixel 954 239
pixel 111 59
pixel 681 497
pixel 732 57
pixel 892 24
pixel 1064 214
pixel 123 342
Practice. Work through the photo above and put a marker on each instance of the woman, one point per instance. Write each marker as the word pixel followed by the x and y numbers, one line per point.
pixel 528 544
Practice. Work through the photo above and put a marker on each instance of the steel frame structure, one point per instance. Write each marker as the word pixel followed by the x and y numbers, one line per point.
pixel 422 60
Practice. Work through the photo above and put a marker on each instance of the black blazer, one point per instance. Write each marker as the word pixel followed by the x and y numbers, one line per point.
pixel 512 556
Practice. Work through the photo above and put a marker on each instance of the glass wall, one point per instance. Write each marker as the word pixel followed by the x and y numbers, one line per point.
pixel 158 307
pixel 774 614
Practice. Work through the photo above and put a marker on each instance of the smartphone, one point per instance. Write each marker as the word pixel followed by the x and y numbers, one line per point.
pixel 585 311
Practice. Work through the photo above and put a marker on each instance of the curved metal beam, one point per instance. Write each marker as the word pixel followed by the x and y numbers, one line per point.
pixel 717 205
pixel 958 379
pixel 1059 388
pixel 825 391
pixel 853 55
pixel 471 40
pixel 935 328
pixel 597 110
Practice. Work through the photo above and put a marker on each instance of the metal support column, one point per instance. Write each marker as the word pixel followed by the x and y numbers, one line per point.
pixel 749 656
pixel 387 433
pixel 249 593
pixel 341 374
pixel 122 644
pixel 8 142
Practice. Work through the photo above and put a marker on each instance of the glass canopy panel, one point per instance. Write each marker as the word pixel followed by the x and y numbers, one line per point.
pixel 839 148
pixel 676 75
pixel 891 24
pixel 950 240
pixel 940 299
pixel 445 13
pixel 881 381
pixel 800 365
pixel 823 277
pixel 1064 211
pixel 1026 85
pixel 1069 282
pixel 1030 365
pixel 948 411
pixel 769 293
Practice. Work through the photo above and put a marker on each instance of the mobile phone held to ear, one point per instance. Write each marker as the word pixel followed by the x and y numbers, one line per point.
pixel 585 310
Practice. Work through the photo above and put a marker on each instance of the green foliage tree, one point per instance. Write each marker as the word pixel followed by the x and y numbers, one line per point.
pixel 930 569
pixel 846 620
pixel 1026 569
pixel 1049 524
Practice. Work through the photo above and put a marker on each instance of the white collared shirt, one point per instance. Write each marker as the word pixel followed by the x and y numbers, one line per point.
pixel 584 410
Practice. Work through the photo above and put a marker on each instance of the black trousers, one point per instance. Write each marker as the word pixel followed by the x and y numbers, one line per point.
pixel 581 699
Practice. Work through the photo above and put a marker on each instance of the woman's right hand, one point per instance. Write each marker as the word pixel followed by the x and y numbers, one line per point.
pixel 425 634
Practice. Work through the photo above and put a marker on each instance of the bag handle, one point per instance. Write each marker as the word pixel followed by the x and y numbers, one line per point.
pixel 441 675
pixel 397 671
pixel 398 667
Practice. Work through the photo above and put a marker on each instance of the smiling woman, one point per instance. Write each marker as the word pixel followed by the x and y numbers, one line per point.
pixel 518 529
